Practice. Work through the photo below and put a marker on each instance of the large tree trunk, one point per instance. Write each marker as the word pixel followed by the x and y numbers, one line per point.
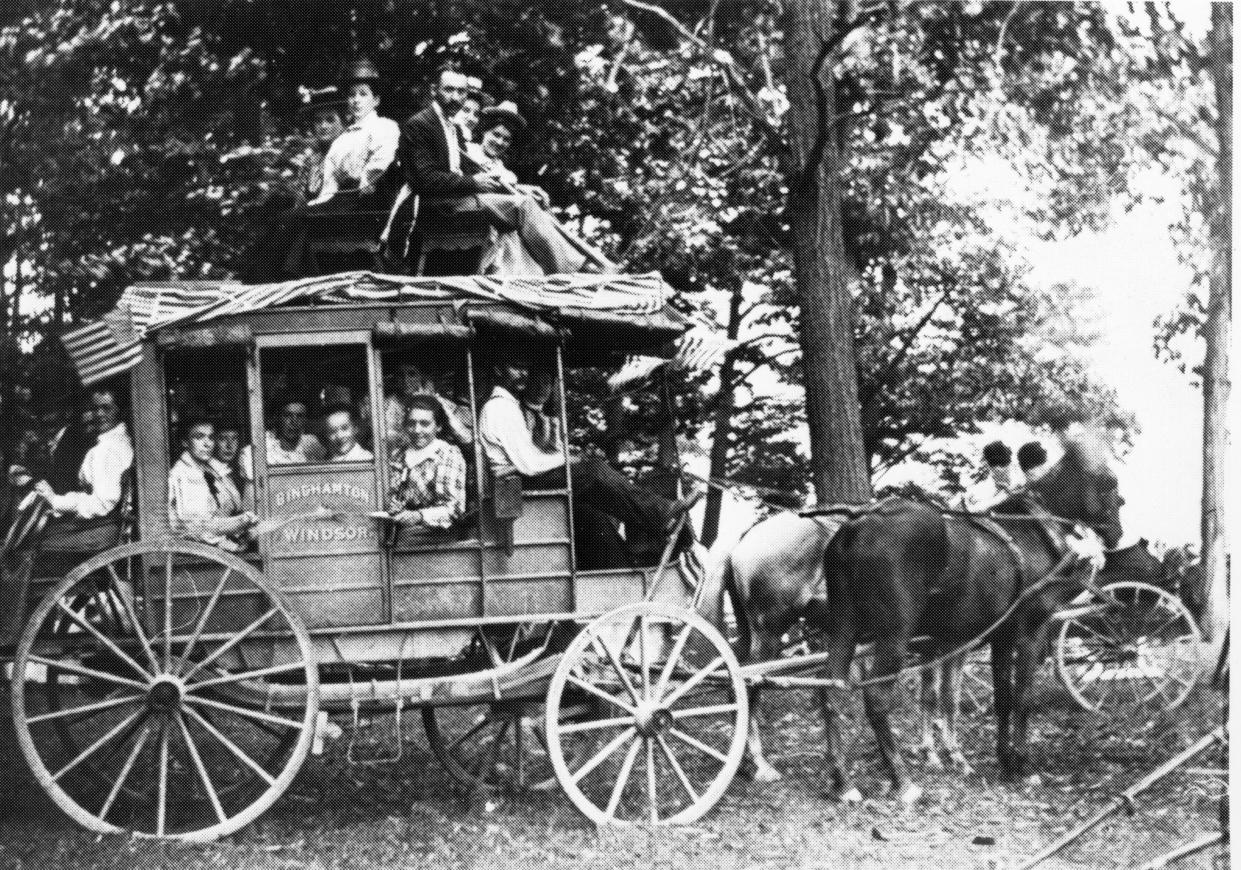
pixel 1217 332
pixel 723 423
pixel 829 359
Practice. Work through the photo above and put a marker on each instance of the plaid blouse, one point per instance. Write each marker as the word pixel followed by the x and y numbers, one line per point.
pixel 431 480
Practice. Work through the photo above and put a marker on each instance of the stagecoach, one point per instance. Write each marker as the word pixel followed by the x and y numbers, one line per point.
pixel 169 688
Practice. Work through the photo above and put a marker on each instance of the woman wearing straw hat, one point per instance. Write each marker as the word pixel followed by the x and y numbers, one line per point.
pixel 325 108
pixel 499 128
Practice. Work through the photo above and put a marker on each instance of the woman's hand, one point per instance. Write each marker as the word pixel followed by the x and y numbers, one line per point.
pixel 409 518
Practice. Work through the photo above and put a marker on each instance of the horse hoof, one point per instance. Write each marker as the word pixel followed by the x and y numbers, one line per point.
pixel 911 795
pixel 852 796
pixel 766 774
pixel 961 766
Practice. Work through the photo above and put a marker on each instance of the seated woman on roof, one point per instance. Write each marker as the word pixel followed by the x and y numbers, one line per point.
pixel 350 178
pixel 203 501
pixel 498 128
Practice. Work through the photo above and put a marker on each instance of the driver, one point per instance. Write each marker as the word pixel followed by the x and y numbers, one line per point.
pixel 510 448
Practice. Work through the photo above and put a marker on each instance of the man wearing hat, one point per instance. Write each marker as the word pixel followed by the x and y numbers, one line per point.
pixel 360 155
pixel 436 164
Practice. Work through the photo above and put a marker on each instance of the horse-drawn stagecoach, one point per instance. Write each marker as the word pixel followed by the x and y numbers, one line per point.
pixel 169 688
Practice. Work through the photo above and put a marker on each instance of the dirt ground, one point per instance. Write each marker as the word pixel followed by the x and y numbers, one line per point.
pixel 410 814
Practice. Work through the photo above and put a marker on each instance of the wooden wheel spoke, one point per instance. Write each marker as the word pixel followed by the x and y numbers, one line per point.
pixel 622 779
pixel 698 744
pixel 478 726
pixel 84 671
pixel 674 656
pixel 123 589
pixel 713 710
pixel 184 658
pixel 246 675
pixel 599 693
pixel 192 749
pixel 104 639
pixel 168 612
pixel 257 715
pixel 1107 639
pixel 85 709
pixel 676 767
pixel 125 770
pixel 98 744
pixel 231 746
pixel 603 754
pixel 486 762
pixel 693 681
pixel 602 646
pixel 644 656
pixel 232 642
pixel 652 789
pixel 161 809
pixel 596 724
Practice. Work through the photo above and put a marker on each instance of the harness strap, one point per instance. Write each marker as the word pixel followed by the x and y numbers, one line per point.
pixel 994 529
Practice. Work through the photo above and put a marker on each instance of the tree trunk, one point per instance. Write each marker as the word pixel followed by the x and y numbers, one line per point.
pixel 829 359
pixel 723 424
pixel 1217 332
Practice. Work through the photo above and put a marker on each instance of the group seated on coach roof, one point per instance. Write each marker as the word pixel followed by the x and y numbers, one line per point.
pixel 430 196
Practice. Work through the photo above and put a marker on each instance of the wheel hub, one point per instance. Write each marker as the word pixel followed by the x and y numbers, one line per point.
pixel 651 719
pixel 165 694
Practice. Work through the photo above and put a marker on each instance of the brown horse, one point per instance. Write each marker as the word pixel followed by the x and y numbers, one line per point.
pixel 904 570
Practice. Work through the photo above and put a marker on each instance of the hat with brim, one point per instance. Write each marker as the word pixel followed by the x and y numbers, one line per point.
pixel 505 113
pixel 315 99
pixel 360 70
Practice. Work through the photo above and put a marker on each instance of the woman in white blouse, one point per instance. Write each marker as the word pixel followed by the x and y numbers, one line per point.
pixel 203 503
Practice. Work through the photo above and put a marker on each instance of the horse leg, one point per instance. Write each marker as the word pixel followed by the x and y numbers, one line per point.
pixel 928 703
pixel 758 767
pixel 951 676
pixel 835 700
pixel 880 700
pixel 1002 689
pixel 1029 655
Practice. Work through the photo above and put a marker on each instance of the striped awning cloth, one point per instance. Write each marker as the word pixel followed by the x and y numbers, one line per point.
pixel 112 345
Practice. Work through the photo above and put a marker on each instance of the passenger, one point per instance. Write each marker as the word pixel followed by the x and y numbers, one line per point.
pixel 203 503
pixel 499 128
pixel 290 444
pixel 411 381
pixel 435 164
pixel 360 155
pixel 326 108
pixel 428 475
pixel 103 467
pixel 510 449
pixel 68 449
pixel 227 456
pixel 341 425
pixel 467 116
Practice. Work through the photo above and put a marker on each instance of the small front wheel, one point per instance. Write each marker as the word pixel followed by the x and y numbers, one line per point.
pixel 646 717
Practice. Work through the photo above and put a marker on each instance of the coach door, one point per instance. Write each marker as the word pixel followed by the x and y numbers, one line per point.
pixel 318 485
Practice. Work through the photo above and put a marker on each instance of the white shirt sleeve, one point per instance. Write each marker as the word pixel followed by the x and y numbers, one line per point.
pixel 384 137
pixel 102 470
pixel 504 426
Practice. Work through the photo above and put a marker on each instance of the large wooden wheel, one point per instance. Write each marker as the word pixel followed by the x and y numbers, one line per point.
pixel 499 743
pixel 1139 648
pixel 164 689
pixel 647 716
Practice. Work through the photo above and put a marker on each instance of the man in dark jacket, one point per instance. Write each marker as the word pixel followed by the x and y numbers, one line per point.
pixel 433 157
